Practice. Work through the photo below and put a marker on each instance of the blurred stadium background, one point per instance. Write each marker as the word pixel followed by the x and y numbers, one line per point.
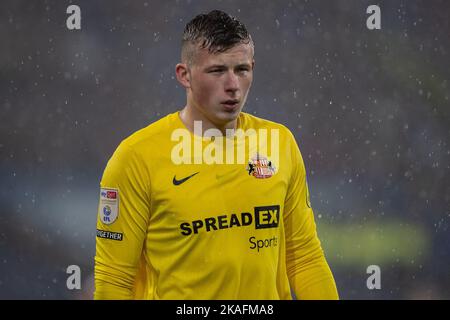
pixel 370 111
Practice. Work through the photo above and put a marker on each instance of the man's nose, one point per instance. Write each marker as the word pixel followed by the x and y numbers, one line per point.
pixel 231 82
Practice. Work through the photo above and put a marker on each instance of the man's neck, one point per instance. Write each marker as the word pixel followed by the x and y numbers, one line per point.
pixel 188 115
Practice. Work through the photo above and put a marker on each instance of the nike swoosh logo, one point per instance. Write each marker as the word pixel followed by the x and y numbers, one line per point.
pixel 178 182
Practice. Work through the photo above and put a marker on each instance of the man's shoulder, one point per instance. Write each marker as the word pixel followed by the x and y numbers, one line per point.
pixel 253 122
pixel 152 133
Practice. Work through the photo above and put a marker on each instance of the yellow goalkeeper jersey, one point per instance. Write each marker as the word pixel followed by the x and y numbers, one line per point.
pixel 175 224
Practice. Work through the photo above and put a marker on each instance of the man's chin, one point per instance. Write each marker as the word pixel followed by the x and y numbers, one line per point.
pixel 228 115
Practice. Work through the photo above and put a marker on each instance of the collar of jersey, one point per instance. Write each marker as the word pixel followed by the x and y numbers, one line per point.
pixel 206 140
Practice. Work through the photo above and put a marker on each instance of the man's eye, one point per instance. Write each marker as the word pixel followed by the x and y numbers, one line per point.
pixel 216 70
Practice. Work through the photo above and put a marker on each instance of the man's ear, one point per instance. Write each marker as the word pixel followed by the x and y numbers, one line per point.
pixel 183 75
pixel 253 64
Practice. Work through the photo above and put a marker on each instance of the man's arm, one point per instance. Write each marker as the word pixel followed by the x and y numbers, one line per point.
pixel 119 244
pixel 309 274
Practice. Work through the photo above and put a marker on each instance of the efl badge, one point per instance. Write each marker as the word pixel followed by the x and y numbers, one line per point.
pixel 260 167
pixel 109 205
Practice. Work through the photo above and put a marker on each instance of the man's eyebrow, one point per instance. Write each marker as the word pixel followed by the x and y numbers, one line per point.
pixel 219 66
pixel 244 65
pixel 222 66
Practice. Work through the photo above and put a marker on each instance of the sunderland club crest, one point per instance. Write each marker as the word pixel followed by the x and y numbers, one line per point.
pixel 260 167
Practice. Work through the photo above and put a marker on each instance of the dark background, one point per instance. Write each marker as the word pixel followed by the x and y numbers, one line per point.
pixel 369 108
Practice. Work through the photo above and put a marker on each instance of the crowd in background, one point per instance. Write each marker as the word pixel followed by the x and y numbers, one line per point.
pixel 369 108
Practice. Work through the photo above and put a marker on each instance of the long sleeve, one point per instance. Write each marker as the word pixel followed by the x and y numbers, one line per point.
pixel 309 274
pixel 124 208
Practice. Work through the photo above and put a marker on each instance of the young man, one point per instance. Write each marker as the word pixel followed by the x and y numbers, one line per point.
pixel 191 219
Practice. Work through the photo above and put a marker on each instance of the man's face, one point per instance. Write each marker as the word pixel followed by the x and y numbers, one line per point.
pixel 220 82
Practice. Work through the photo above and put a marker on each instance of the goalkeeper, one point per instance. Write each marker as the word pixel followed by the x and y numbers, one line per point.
pixel 215 224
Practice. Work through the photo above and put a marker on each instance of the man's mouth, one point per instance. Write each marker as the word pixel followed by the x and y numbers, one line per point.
pixel 230 104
